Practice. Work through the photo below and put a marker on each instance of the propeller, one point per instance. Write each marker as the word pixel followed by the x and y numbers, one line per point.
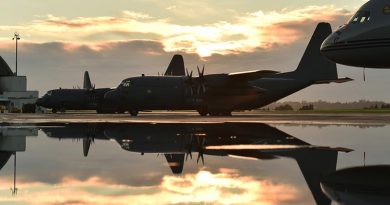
pixel 189 82
pixel 188 154
pixel 201 143
pixel 200 156
pixel 201 81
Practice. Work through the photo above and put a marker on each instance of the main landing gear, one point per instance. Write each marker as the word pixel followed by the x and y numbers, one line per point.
pixel 205 112
pixel 133 112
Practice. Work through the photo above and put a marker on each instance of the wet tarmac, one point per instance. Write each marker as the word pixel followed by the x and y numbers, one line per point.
pixel 193 117
pixel 183 158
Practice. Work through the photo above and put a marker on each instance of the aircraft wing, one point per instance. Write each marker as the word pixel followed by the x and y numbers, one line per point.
pixel 251 75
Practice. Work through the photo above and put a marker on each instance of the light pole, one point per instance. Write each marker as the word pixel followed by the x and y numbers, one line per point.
pixel 16 38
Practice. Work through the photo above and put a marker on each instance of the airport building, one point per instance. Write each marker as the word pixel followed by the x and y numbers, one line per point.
pixel 14 96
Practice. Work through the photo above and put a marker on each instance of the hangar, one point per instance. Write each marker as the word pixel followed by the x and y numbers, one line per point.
pixel 14 96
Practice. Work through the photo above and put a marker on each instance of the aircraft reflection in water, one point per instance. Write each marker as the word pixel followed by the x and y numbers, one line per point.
pixel 364 41
pixel 177 142
pixel 12 140
pixel 359 185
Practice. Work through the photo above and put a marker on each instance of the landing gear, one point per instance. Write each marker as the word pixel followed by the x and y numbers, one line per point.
pixel 54 110
pixel 120 111
pixel 133 112
pixel 203 112
pixel 221 113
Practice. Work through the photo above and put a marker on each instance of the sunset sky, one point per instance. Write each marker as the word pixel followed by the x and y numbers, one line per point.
pixel 118 39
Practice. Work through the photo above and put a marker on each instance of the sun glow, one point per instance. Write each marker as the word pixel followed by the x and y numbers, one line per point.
pixel 224 187
pixel 248 32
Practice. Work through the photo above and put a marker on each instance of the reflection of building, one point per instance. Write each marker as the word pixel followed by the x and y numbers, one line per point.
pixel 13 90
pixel 13 140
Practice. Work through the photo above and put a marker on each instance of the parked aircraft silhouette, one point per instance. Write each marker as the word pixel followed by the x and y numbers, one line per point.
pixel 220 94
pixel 91 98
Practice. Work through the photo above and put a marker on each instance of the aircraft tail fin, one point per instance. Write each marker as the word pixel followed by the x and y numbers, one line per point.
pixel 314 65
pixel 175 162
pixel 87 81
pixel 315 164
pixel 176 66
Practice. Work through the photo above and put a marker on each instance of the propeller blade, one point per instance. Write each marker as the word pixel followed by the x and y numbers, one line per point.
pixel 188 154
pixel 200 156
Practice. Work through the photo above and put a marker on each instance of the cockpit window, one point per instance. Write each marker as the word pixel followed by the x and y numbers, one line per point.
pixel 360 17
pixel 125 84
pixel 49 93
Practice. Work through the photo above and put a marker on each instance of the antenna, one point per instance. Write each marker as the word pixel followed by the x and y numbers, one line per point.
pixel 16 38
pixel 14 189
pixel 364 158
pixel 364 74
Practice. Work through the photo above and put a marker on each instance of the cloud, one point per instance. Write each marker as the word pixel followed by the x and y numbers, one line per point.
pixel 224 187
pixel 114 51
pixel 245 33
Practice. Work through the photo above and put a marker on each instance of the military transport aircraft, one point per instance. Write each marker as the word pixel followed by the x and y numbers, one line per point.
pixel 177 142
pixel 86 98
pixel 91 98
pixel 220 94
pixel 365 40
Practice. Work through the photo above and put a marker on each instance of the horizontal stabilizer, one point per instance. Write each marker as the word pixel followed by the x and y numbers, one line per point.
pixel 276 147
pixel 251 75
pixel 340 80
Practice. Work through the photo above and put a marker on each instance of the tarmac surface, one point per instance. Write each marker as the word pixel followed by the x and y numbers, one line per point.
pixel 193 117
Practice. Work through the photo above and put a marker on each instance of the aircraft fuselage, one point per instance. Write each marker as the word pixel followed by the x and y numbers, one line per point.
pixel 365 40
pixel 173 93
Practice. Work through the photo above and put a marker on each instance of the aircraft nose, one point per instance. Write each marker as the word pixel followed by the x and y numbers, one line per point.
pixel 329 42
pixel 330 48
pixel 112 97
pixel 40 102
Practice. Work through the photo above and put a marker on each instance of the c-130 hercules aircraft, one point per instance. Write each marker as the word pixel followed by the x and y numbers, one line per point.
pixel 220 94
pixel 91 98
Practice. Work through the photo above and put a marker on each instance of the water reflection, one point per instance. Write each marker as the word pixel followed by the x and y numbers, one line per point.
pixel 179 143
pixel 13 140
pixel 359 185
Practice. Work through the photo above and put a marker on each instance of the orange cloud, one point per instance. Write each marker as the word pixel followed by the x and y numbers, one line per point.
pixel 248 32
pixel 225 187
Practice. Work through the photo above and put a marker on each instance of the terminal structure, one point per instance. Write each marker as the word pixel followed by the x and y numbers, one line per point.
pixel 14 96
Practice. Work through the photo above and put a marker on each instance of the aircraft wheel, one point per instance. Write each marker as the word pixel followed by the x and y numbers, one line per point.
pixel 133 112
pixel 203 112
pixel 214 113
pixel 225 113
pixel 220 113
